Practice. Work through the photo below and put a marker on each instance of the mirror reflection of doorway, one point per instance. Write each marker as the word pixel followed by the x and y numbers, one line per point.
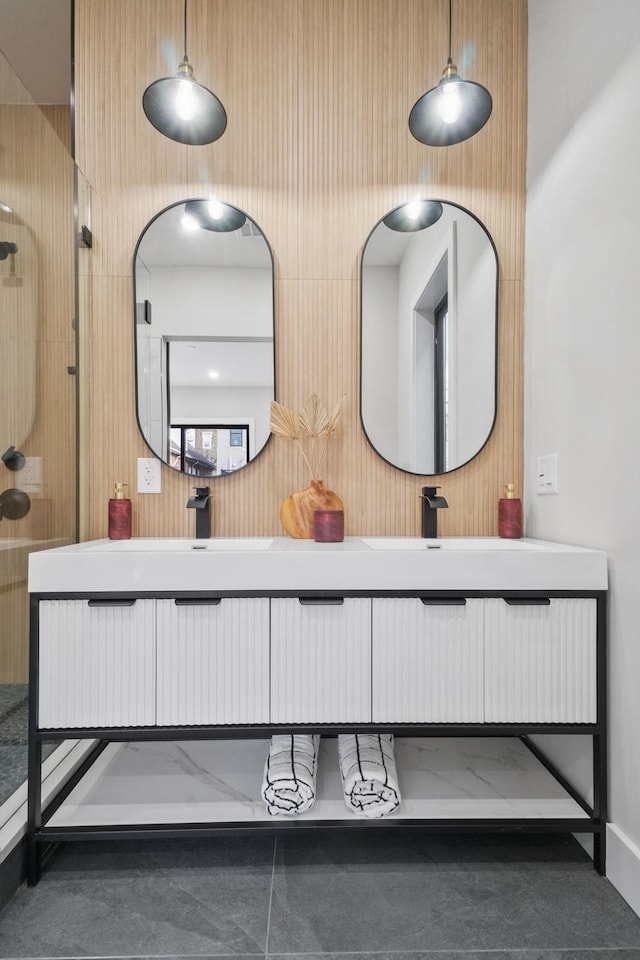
pixel 441 385
pixel 430 442
pixel 212 389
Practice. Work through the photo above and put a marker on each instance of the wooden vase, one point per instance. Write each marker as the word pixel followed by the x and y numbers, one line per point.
pixel 296 512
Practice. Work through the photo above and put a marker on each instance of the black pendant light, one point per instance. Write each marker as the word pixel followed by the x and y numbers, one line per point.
pixel 451 112
pixel 182 109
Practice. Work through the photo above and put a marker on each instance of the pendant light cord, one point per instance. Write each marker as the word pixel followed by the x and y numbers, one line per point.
pixel 449 60
pixel 186 58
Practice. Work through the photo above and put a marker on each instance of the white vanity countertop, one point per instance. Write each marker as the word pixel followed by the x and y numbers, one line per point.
pixel 281 563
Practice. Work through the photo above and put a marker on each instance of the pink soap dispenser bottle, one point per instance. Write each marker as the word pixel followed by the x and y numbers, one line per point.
pixel 120 514
pixel 510 514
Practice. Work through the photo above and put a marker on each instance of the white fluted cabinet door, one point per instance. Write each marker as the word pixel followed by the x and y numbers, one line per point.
pixel 321 661
pixel 213 662
pixel 540 662
pixel 97 664
pixel 427 661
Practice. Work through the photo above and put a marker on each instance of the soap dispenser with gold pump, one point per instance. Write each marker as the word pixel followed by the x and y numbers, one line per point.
pixel 120 514
pixel 510 514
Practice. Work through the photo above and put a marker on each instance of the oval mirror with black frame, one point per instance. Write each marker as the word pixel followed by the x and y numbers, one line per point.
pixel 429 308
pixel 204 337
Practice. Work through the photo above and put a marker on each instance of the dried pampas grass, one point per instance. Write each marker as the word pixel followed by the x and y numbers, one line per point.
pixel 284 423
pixel 313 422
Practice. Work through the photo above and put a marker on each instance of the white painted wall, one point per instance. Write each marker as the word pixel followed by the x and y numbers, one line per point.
pixel 582 340
pixel 475 350
pixel 212 301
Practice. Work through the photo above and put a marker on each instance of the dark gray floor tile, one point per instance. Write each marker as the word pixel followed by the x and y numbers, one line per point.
pixel 163 898
pixel 378 843
pixel 361 896
pixel 581 954
pixel 191 853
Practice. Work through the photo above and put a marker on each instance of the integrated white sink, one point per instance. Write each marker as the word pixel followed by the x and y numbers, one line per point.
pixel 282 564
pixel 176 545
pixel 450 543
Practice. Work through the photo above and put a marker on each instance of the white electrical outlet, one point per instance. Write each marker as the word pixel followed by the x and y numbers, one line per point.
pixel 547 474
pixel 149 476
pixel 30 477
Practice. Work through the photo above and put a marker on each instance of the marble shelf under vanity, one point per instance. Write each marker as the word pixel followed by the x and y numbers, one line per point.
pixel 219 781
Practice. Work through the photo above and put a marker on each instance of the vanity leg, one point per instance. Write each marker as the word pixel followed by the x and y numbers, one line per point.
pixel 600 852
pixel 34 810
pixel 600 802
pixel 599 744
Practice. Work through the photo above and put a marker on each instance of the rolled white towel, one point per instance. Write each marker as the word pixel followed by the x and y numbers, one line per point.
pixel 368 771
pixel 289 785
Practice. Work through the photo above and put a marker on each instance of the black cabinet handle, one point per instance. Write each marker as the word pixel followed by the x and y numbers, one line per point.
pixel 527 601
pixel 321 601
pixel 444 601
pixel 111 603
pixel 197 601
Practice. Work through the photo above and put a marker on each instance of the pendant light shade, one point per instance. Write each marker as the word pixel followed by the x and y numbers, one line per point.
pixel 215 216
pixel 181 108
pixel 417 215
pixel 451 112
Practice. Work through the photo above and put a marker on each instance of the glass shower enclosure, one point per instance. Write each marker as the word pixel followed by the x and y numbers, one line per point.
pixel 39 286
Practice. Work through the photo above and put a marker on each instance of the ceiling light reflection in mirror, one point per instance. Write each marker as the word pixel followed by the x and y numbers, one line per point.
pixel 429 337
pixel 204 337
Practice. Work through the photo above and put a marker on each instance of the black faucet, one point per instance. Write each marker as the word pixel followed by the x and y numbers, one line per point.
pixel 201 504
pixel 430 506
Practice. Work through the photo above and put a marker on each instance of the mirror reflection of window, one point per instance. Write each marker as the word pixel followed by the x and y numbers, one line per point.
pixel 211 451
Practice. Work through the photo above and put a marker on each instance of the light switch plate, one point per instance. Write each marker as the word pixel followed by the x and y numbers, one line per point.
pixel 149 475
pixel 547 474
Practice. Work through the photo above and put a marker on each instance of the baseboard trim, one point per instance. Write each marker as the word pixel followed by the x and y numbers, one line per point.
pixel 623 866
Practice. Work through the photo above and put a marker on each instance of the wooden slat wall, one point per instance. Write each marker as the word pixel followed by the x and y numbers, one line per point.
pixel 317 148
pixel 59 117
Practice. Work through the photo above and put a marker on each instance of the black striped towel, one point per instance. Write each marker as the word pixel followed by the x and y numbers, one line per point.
pixel 369 776
pixel 289 785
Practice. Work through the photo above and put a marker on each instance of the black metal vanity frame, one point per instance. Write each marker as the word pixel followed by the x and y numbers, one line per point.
pixel 40 835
